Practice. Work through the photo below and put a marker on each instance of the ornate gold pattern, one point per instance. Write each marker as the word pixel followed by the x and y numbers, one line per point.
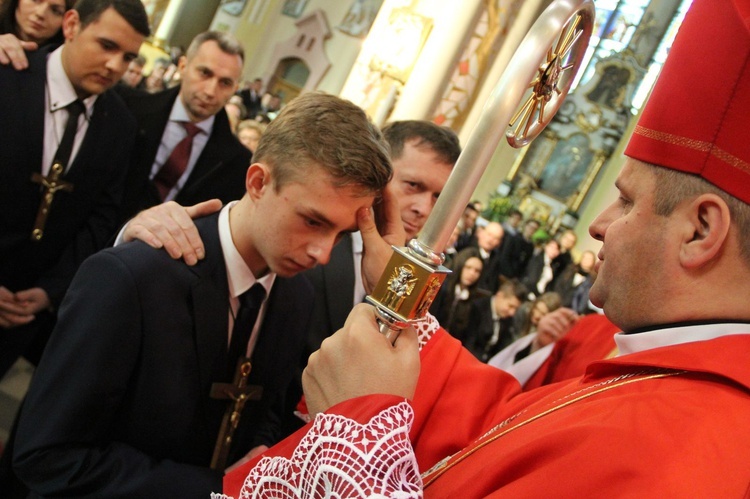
pixel 436 471
pixel 697 145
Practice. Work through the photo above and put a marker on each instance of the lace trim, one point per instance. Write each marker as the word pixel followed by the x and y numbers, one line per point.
pixel 425 329
pixel 340 458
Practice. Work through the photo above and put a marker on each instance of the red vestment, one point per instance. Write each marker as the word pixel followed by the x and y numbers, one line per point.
pixel 666 422
pixel 590 339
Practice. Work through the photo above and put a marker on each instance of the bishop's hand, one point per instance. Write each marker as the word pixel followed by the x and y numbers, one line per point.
pixel 381 228
pixel 358 360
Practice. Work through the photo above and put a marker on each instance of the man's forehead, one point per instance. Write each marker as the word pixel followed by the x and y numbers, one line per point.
pixel 209 55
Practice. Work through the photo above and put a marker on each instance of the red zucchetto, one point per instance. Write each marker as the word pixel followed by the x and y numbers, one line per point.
pixel 697 119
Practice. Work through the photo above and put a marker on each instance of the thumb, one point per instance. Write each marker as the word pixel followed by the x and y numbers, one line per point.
pixel 204 208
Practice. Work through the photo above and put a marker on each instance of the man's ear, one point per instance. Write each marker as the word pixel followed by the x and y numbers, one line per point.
pixel 707 228
pixel 181 65
pixel 71 24
pixel 257 180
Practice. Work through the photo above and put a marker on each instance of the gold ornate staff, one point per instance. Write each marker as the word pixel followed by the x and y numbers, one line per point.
pixel 561 34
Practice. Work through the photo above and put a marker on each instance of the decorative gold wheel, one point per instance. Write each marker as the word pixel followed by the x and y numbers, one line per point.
pixel 553 80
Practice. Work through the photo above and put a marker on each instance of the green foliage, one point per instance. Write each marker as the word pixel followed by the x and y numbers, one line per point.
pixel 498 208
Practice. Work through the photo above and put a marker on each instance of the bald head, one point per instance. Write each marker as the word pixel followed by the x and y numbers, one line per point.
pixel 490 236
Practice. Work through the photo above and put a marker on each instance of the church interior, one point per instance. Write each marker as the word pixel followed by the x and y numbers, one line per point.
pixel 439 60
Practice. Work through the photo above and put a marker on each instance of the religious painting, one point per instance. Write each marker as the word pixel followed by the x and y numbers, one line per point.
pixel 233 7
pixel 610 90
pixel 294 8
pixel 403 38
pixel 567 167
pixel 360 17
pixel 533 208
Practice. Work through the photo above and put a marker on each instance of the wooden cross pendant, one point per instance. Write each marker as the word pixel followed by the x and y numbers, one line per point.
pixel 51 183
pixel 238 392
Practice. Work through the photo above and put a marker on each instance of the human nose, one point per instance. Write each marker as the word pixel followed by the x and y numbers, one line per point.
pixel 117 64
pixel 320 250
pixel 599 226
pixel 210 87
pixel 423 204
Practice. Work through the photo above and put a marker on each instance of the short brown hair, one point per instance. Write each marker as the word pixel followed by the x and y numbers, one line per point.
pixel 673 187
pixel 317 128
pixel 226 42
pixel 440 139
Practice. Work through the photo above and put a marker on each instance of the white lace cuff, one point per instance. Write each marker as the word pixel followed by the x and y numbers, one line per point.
pixel 339 457
pixel 425 329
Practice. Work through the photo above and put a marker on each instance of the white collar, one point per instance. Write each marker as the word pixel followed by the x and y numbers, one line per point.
pixel 357 244
pixel 638 342
pixel 239 275
pixel 61 91
pixel 179 114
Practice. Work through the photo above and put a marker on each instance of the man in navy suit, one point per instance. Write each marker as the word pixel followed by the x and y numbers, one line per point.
pixel 210 72
pixel 101 37
pixel 120 406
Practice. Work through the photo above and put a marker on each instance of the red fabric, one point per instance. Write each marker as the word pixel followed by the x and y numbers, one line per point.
pixel 696 117
pixel 679 436
pixel 592 338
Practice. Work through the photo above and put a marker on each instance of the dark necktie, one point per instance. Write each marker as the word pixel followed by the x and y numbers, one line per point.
pixel 177 162
pixel 250 302
pixel 64 150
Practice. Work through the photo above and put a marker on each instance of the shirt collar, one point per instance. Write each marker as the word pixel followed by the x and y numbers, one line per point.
pixel 357 242
pixel 239 275
pixel 61 91
pixel 675 335
pixel 179 114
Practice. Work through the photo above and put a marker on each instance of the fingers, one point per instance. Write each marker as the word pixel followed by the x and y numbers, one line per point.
pixel 171 227
pixel 13 312
pixel 557 323
pixel 388 219
pixel 358 360
pixel 34 299
pixel 203 209
pixel 376 250
pixel 12 51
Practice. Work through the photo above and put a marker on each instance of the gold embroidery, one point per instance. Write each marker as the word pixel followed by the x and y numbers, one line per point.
pixel 436 471
pixel 697 145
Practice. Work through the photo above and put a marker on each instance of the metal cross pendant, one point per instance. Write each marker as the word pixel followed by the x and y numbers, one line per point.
pixel 51 183
pixel 239 393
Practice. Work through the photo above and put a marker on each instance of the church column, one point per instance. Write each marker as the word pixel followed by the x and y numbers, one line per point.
pixel 527 14
pixel 168 22
pixel 452 21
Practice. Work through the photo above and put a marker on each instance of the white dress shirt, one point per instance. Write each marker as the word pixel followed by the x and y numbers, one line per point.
pixel 174 132
pixel 240 278
pixel 60 93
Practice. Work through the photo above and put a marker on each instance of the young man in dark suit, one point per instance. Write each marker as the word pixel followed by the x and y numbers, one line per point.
pixel 54 210
pixel 216 161
pixel 121 404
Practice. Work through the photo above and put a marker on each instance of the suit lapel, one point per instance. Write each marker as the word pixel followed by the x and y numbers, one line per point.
pixel 210 297
pixel 212 158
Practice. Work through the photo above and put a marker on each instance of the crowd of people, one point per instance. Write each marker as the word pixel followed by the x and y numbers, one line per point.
pixel 185 259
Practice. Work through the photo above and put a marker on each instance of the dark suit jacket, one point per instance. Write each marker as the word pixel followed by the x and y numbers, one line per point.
pixel 480 330
pixel 333 284
pixel 218 173
pixel 119 406
pixel 252 102
pixel 80 222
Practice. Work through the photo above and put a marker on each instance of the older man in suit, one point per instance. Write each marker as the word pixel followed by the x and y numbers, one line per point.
pixel 59 196
pixel 123 403
pixel 185 150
